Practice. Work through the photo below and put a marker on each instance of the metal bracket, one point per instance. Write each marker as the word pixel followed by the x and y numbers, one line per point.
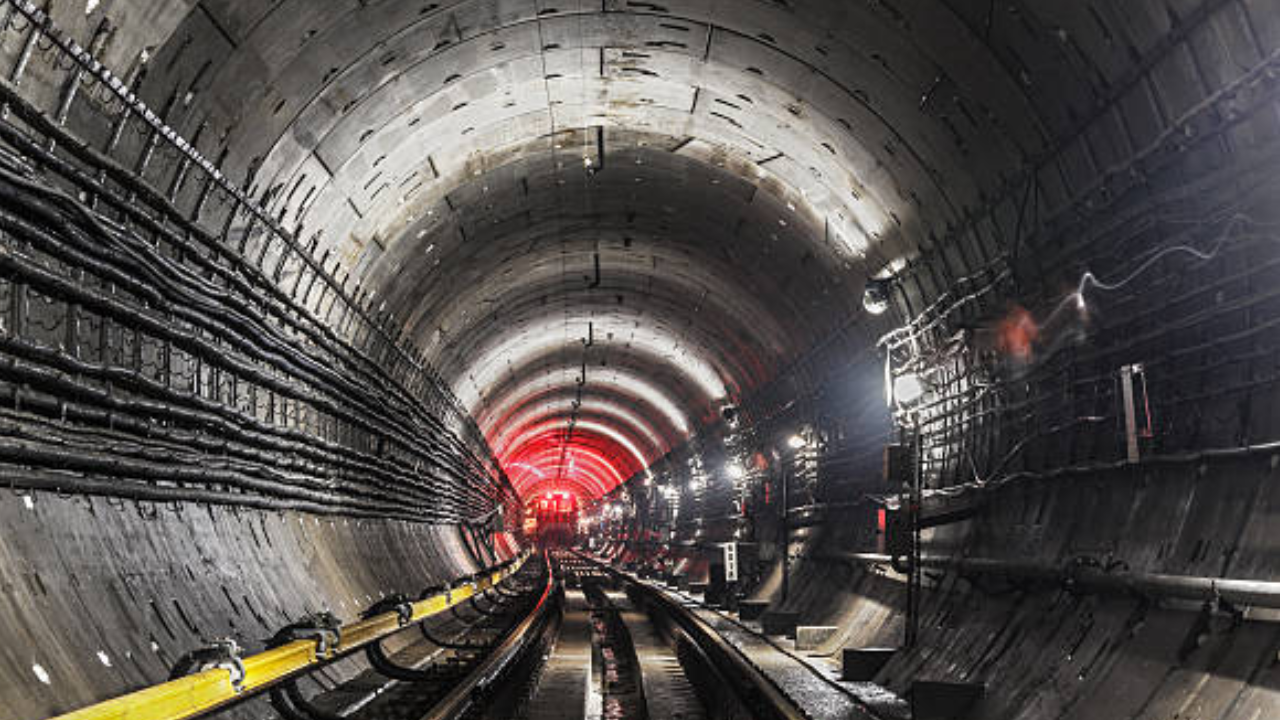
pixel 323 627
pixel 224 653
pixel 399 604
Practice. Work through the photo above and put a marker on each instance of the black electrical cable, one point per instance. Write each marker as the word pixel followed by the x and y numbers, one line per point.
pixel 84 297
pixel 484 465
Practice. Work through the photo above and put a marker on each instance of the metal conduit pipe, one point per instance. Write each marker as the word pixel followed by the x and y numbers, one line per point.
pixel 1086 578
pixel 1184 458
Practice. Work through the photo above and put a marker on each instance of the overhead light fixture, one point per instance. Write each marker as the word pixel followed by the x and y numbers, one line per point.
pixel 875 297
pixel 908 388
pixel 796 442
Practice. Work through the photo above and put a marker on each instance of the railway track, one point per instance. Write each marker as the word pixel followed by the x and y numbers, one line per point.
pixel 611 659
pixel 591 644
pixel 620 650
pixel 554 636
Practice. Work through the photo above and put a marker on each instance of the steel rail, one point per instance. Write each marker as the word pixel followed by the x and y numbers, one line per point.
pixel 486 678
pixel 201 692
pixel 755 690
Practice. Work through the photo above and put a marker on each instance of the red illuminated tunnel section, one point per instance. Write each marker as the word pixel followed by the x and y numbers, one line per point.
pixel 549 458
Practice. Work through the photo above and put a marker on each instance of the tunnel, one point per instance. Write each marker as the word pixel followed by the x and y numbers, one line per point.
pixel 868 358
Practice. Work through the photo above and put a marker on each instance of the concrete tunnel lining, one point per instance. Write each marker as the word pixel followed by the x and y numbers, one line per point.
pixel 378 102
pixel 738 170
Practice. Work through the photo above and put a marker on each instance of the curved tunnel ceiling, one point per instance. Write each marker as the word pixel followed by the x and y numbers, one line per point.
pixel 603 221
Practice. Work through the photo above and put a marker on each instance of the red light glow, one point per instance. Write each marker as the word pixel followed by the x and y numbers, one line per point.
pixel 1017 333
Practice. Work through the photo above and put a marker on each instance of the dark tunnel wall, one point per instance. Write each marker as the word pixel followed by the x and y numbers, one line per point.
pixel 103 595
pixel 1164 192
pixel 485 225
pixel 1162 188
pixel 194 449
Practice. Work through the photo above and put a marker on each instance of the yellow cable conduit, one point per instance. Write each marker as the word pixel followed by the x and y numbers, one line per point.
pixel 201 692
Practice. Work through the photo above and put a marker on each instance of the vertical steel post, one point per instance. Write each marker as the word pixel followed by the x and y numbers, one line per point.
pixel 785 546
pixel 1130 411
pixel 914 499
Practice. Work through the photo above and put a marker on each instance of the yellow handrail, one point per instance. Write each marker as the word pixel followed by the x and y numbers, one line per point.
pixel 201 692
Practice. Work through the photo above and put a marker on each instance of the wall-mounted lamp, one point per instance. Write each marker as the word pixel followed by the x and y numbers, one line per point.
pixel 730 415
pixel 875 297
pixel 795 442
pixel 908 388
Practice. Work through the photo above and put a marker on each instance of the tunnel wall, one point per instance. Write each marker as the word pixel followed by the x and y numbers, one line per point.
pixel 1165 190
pixel 1165 140
pixel 1172 165
pixel 105 595
pixel 206 433
pixel 1044 648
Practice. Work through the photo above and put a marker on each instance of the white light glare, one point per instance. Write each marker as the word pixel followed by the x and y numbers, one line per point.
pixel 795 442
pixel 908 388
pixel 734 471
pixel 875 297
